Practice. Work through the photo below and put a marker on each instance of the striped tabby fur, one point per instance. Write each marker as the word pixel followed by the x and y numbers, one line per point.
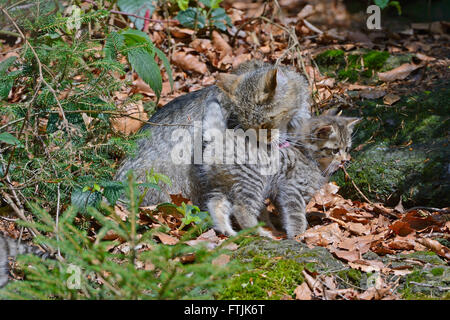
pixel 256 94
pixel 316 149
pixel 10 248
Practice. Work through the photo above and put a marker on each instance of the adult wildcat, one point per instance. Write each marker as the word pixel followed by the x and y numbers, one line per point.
pixel 257 95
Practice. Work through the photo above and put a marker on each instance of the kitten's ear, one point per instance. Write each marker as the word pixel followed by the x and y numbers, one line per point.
pixel 351 122
pixel 323 132
pixel 228 82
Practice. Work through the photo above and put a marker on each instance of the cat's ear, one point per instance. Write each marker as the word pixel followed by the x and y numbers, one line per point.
pixel 323 132
pixel 351 122
pixel 228 83
pixel 268 86
pixel 273 80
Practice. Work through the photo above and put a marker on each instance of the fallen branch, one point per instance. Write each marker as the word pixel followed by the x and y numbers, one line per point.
pixel 356 187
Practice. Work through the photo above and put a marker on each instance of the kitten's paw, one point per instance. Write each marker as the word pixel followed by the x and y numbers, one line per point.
pixel 227 232
pixel 265 233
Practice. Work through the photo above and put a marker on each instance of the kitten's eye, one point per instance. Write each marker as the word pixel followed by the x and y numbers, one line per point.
pixel 335 151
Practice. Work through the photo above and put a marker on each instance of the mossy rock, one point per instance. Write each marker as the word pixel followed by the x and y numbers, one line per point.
pixel 359 65
pixel 404 151
pixel 275 268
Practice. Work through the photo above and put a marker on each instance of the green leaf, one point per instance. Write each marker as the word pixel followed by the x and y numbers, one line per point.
pixel 381 3
pixel 112 190
pixel 166 63
pixel 396 4
pixel 220 19
pixel 137 7
pixel 5 64
pixel 82 200
pixel 189 17
pixel 183 4
pixel 147 68
pixel 9 138
pixel 132 37
pixel 213 4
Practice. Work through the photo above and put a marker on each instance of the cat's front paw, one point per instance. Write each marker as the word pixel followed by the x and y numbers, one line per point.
pixel 265 233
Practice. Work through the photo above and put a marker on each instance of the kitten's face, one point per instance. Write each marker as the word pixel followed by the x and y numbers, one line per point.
pixel 330 139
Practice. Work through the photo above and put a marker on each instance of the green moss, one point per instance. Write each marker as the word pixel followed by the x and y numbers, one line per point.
pixel 352 276
pixel 437 271
pixel 351 75
pixel 268 279
pixel 425 256
pixel 436 280
pixel 335 57
pixel 375 59
pixel 395 61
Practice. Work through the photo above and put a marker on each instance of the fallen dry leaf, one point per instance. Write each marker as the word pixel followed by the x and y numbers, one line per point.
pixel 135 119
pixel 302 292
pixel 398 73
pixel 221 45
pixel 390 99
pixel 306 12
pixel 189 62
pixel 166 239
pixel 436 247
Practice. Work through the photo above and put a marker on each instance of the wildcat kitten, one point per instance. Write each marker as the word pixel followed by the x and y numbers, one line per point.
pixel 257 95
pixel 10 248
pixel 313 150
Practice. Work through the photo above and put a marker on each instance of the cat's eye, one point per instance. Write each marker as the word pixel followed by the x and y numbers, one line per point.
pixel 335 151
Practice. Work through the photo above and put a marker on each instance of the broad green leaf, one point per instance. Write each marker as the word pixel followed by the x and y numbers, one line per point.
pixel 112 190
pixel 381 3
pixel 137 7
pixel 183 4
pixel 9 138
pixel 133 36
pixel 82 200
pixel 220 19
pixel 147 68
pixel 166 63
pixel 213 4
pixel 190 17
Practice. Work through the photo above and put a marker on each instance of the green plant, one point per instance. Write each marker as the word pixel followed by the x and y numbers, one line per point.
pixel 386 3
pixel 86 269
pixel 212 16
pixel 192 214
pixel 57 98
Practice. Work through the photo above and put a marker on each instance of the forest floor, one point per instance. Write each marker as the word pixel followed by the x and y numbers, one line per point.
pixel 360 246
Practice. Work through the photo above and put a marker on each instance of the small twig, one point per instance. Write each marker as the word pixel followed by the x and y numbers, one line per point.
pixel 356 187
pixel 57 219
pixel 311 27
pixel 427 208
pixel 430 286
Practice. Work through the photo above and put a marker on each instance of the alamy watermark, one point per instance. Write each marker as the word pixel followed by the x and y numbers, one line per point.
pixel 374 20
pixel 232 146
